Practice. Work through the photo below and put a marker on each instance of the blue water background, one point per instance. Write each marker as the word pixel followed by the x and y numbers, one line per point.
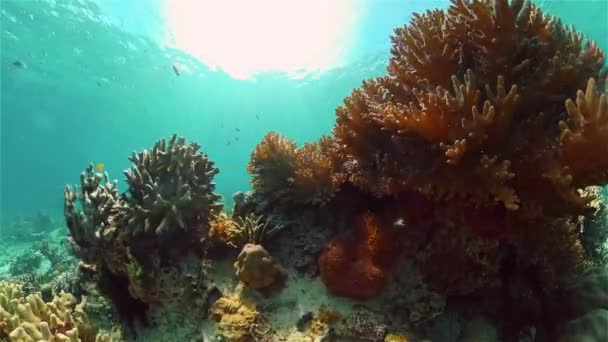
pixel 99 84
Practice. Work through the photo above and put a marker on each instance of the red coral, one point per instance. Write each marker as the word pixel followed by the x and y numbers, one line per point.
pixel 355 266
pixel 346 273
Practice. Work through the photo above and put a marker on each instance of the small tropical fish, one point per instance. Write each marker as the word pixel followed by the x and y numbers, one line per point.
pixel 229 167
pixel 169 168
pixel 228 143
pixel 100 167
pixel 250 181
pixel 257 116
pixel 237 129
pixel 176 70
pixel 19 64
pixel 399 223
pixel 237 138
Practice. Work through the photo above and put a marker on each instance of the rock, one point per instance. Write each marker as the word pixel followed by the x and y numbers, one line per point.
pixel 304 321
pixel 256 268
pixel 591 327
pixel 589 293
pixel 480 329
pixel 363 325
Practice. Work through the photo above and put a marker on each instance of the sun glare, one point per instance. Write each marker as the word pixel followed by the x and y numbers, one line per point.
pixel 244 37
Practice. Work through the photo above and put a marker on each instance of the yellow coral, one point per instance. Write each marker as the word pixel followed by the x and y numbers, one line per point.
pixel 25 319
pixel 237 320
pixel 222 228
pixel 252 229
pixel 395 338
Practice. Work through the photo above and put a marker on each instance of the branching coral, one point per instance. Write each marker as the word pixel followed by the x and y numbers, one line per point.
pixel 101 213
pixel 584 136
pixel 29 318
pixel 170 188
pixel 286 175
pixel 161 220
pixel 471 109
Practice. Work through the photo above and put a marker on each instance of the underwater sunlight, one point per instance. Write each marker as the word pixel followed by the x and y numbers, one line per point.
pixel 244 37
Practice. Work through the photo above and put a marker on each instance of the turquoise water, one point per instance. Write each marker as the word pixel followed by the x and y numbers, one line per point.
pixel 92 81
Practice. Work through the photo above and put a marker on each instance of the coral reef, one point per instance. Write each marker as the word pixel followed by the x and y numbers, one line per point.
pixel 256 268
pixel 470 173
pixel 478 144
pixel 29 318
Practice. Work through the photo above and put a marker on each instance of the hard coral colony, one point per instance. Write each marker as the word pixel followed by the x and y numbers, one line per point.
pixel 467 158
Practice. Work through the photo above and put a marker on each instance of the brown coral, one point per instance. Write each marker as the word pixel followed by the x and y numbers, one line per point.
pixel 286 175
pixel 460 115
pixel 255 267
pixel 272 165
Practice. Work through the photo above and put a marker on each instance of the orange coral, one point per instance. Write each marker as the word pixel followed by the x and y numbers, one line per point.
pixel 354 266
pixel 288 175
pixel 272 165
pixel 460 115
pixel 584 141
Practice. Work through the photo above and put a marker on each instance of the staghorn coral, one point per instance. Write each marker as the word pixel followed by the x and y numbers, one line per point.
pixel 286 175
pixel 471 110
pixel 170 188
pixel 29 318
pixel 584 136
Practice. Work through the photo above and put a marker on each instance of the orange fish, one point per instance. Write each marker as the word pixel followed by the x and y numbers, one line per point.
pixel 100 167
